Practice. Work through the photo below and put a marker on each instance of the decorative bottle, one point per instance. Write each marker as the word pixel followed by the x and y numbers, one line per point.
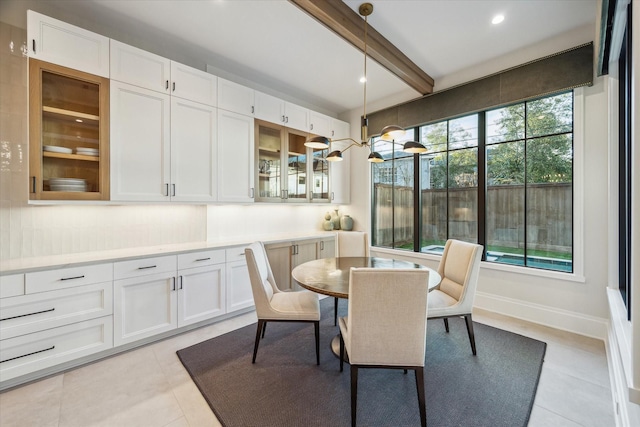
pixel 335 219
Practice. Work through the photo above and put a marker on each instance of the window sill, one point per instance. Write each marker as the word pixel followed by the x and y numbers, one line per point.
pixel 569 277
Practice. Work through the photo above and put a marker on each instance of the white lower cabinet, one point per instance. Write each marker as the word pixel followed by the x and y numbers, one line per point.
pixel 32 352
pixel 201 290
pixel 26 314
pixel 239 293
pixel 144 306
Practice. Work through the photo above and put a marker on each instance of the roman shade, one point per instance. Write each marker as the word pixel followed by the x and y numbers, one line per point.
pixel 555 73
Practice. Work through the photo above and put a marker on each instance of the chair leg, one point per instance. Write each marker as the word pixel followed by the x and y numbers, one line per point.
pixel 421 396
pixel 354 394
pixel 472 339
pixel 446 324
pixel 335 311
pixel 260 329
pixel 317 328
pixel 341 352
pixel 264 328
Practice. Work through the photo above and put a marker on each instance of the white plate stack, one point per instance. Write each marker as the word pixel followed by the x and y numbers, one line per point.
pixel 56 149
pixel 67 184
pixel 88 151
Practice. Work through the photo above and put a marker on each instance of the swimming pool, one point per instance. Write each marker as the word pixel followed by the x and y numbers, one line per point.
pixel 515 259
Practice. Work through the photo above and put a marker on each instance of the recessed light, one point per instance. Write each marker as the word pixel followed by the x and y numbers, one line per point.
pixel 497 19
pixel 363 79
pixel 79 120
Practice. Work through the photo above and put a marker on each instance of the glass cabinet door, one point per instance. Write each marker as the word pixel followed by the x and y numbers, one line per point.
pixel 319 186
pixel 296 185
pixel 68 134
pixel 269 139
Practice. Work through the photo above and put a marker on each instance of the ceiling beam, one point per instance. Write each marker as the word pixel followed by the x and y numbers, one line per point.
pixel 349 25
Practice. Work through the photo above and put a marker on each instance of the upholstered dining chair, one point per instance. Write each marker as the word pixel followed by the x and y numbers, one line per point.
pixel 386 325
pixel 274 305
pixel 453 297
pixel 349 244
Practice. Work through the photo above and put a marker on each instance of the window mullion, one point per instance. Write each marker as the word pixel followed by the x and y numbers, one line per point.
pixel 482 183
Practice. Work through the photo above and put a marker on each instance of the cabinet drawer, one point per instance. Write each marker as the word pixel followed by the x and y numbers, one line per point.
pixel 32 313
pixel 12 285
pixel 235 254
pixel 200 259
pixel 50 280
pixel 144 266
pixel 40 350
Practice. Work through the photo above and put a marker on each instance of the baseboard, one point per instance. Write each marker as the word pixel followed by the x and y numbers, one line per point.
pixel 565 320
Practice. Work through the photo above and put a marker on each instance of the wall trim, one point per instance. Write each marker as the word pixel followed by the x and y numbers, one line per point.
pixel 556 318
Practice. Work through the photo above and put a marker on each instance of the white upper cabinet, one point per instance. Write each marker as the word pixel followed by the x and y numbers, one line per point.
pixel 276 110
pixel 340 129
pixel 235 97
pixel 339 178
pixel 193 84
pixel 235 157
pixel 60 43
pixel 193 151
pixel 140 68
pixel 140 143
pixel 320 124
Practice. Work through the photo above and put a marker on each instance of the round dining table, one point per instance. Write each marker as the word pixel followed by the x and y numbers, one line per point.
pixel 330 276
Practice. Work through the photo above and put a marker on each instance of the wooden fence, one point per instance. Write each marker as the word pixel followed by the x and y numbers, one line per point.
pixel 549 216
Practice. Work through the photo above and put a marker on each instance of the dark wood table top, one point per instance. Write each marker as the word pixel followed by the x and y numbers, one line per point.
pixel 330 276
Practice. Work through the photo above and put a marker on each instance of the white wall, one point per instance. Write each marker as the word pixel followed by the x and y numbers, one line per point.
pixel 576 304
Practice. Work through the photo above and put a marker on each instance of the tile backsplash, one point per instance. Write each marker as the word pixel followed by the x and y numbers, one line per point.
pixel 41 230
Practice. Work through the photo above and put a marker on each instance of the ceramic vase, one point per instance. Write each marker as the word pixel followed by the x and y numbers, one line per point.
pixel 335 219
pixel 346 223
pixel 327 225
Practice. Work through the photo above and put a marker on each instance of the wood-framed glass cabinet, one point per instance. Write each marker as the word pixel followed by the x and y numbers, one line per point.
pixel 68 133
pixel 287 170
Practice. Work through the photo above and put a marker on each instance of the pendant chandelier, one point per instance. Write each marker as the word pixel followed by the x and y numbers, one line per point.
pixel 389 133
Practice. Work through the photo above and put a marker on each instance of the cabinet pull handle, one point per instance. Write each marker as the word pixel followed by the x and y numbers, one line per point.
pixel 253 109
pixel 28 354
pixel 251 193
pixel 332 196
pixel 148 266
pixel 33 184
pixel 33 44
pixel 180 282
pixel 311 126
pixel 173 190
pixel 29 314
pixel 333 133
pixel 166 190
pixel 283 119
pixel 203 259
pixel 174 86
pixel 322 245
pixel 173 283
pixel 287 119
pixel 72 278
pixel 311 195
pixel 166 85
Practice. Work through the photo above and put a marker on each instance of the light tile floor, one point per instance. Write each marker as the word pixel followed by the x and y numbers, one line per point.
pixel 148 387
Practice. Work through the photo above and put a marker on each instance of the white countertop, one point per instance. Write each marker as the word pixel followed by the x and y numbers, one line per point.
pixel 22 265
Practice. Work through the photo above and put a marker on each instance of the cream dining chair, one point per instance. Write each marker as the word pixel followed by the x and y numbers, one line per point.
pixel 453 297
pixel 350 244
pixel 273 305
pixel 386 325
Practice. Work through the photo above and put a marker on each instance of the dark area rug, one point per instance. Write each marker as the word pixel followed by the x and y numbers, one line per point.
pixel 286 388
